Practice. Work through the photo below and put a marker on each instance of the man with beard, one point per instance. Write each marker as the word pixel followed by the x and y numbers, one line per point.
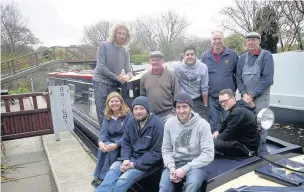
pixel 192 76
pixel 254 75
pixel 112 59
pixel 237 134
pixel 140 149
pixel 221 62
pixel 159 85
pixel 187 147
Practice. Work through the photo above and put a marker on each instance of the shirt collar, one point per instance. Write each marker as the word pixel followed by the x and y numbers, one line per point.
pixel 219 53
pixel 255 52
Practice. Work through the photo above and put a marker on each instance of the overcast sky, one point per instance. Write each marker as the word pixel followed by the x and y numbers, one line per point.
pixel 61 22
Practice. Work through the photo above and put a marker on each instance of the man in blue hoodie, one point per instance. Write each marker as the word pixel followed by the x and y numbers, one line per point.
pixel 193 79
pixel 237 134
pixel 140 149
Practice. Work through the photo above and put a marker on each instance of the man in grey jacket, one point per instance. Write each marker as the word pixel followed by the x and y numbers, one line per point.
pixel 113 66
pixel 192 76
pixel 187 147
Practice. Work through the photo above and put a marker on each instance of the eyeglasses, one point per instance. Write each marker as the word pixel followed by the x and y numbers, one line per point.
pixel 224 102
pixel 189 54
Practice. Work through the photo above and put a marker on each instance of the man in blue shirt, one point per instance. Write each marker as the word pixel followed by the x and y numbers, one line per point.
pixel 221 62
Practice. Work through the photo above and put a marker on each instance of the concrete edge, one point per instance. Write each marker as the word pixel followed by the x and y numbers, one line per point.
pixel 51 165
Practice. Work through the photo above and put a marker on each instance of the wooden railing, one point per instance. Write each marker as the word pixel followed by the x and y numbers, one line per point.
pixel 27 121
pixel 67 54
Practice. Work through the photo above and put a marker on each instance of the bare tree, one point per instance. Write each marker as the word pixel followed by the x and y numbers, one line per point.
pixel 171 28
pixel 165 33
pixel 201 44
pixel 240 18
pixel 15 36
pixel 295 17
pixel 94 34
pixel 145 34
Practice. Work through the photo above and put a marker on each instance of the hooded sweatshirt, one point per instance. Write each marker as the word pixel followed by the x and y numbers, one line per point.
pixel 193 79
pixel 190 143
pixel 240 125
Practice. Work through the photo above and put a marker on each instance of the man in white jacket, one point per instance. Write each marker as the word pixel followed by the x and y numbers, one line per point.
pixel 187 147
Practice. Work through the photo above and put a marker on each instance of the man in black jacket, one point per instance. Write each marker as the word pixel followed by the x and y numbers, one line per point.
pixel 237 134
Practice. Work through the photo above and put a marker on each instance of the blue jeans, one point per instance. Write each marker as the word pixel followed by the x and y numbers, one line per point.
pixel 193 182
pixel 101 92
pixel 216 112
pixel 104 161
pixel 199 107
pixel 116 181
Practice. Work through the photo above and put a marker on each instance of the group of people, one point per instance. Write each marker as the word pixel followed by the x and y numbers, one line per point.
pixel 187 112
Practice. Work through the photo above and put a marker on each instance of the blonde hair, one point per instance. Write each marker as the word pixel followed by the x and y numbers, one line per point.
pixel 115 27
pixel 124 109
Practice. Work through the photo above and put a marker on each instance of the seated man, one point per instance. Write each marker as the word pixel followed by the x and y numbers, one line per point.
pixel 187 147
pixel 237 134
pixel 140 149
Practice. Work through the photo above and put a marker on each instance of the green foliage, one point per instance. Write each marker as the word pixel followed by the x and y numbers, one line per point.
pixel 266 24
pixel 24 87
pixel 235 42
pixel 138 59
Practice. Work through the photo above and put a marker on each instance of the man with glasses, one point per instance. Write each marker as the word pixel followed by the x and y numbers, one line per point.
pixel 237 134
pixel 221 62
pixel 160 86
pixel 193 79
pixel 254 75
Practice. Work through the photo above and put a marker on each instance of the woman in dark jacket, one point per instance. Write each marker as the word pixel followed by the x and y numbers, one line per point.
pixel 112 129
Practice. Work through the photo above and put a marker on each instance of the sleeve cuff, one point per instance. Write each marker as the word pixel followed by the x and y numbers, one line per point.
pixel 170 165
pixel 242 92
pixel 186 168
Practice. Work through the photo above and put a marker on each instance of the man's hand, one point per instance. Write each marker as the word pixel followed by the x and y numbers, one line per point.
pixel 111 147
pixel 123 78
pixel 173 176
pixel 126 164
pixel 247 98
pixel 252 104
pixel 180 173
pixel 215 134
pixel 102 147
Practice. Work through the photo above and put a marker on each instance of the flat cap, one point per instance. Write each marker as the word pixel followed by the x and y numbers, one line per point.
pixel 156 54
pixel 253 35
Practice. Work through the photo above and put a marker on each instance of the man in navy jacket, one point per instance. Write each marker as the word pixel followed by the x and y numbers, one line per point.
pixel 140 149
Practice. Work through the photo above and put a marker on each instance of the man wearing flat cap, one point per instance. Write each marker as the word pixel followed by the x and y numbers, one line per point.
pixel 160 86
pixel 254 75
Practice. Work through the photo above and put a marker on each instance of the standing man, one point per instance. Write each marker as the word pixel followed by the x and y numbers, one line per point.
pixel 140 149
pixel 221 63
pixel 187 147
pixel 192 76
pixel 160 86
pixel 112 59
pixel 254 76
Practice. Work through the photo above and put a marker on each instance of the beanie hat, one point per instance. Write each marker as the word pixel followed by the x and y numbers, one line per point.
pixel 143 101
pixel 183 98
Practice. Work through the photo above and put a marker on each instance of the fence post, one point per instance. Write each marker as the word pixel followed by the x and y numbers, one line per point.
pixel 13 65
pixel 54 51
pixel 36 58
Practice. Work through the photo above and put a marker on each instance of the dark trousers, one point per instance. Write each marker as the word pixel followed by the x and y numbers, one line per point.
pixel 231 149
pixel 199 107
pixel 101 92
